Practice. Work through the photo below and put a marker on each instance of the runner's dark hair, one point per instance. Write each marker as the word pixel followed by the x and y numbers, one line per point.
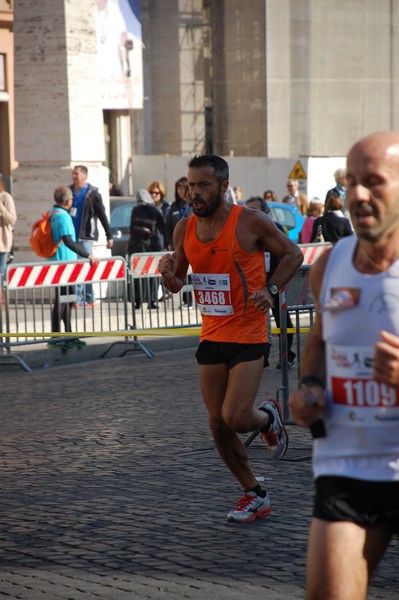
pixel 217 163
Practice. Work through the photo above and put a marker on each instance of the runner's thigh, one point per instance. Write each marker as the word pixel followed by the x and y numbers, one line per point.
pixel 340 556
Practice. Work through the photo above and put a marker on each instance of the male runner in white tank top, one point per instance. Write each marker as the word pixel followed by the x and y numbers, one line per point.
pixel 349 388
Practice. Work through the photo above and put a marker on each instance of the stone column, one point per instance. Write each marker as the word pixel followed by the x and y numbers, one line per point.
pixel 57 104
pixel 239 77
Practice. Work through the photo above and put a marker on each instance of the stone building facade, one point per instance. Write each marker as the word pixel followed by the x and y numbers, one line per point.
pixel 275 78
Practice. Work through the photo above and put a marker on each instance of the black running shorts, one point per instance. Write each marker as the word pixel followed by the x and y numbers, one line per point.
pixel 366 503
pixel 214 353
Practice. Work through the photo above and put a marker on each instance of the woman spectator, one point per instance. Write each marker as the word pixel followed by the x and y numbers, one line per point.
pixel 8 217
pixel 181 207
pixel 315 210
pixel 270 196
pixel 334 225
pixel 157 192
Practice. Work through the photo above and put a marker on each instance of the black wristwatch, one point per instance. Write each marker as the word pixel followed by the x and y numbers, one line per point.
pixel 273 290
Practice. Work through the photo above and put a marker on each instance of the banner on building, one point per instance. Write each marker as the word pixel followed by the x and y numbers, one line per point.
pixel 119 50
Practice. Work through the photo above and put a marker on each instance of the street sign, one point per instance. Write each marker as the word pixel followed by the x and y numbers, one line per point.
pixel 297 172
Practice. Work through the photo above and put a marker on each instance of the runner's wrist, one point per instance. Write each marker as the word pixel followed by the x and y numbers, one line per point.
pixel 173 282
pixel 317 428
pixel 169 277
pixel 311 380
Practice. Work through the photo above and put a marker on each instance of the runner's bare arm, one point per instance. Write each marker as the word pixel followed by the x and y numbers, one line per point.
pixel 307 402
pixel 291 257
pixel 173 267
pixel 255 230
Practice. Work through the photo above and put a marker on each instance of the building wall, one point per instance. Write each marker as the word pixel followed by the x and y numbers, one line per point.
pixel 287 77
pixel 161 76
pixel 56 82
pixel 238 84
pixel 354 64
pixel 57 102
pixel 332 73
pixel 176 51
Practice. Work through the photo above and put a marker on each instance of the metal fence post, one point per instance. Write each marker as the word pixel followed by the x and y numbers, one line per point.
pixel 284 352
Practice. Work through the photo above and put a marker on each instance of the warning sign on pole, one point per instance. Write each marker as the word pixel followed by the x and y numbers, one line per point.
pixel 297 172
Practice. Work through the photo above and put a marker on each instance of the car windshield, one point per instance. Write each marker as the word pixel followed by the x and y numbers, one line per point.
pixel 284 216
pixel 120 215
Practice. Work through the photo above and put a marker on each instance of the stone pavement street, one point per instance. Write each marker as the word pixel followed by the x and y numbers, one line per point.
pixel 111 489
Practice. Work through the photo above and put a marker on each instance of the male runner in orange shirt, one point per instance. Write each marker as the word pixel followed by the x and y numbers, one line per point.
pixel 225 245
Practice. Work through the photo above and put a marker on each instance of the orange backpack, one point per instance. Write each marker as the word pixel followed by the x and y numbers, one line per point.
pixel 41 238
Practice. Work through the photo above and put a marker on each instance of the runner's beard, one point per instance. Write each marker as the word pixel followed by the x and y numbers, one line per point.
pixel 207 210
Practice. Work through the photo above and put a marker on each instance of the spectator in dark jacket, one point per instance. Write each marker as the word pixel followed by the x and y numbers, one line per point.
pixel 334 225
pixel 157 191
pixel 340 187
pixel 147 231
pixel 87 208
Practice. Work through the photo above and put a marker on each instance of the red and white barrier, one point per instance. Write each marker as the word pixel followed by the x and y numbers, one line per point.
pixel 143 265
pixel 62 273
pixel 311 252
pixel 146 264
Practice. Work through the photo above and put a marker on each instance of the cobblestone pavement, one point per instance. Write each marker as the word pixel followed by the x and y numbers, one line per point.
pixel 111 489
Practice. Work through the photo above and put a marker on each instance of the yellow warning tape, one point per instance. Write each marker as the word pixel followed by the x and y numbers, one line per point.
pixel 162 331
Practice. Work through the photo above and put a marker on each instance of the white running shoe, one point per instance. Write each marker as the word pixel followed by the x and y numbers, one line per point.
pixel 249 508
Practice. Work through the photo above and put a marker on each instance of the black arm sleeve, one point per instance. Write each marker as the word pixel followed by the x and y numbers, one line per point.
pixel 161 223
pixel 316 223
pixel 169 228
pixel 99 211
pixel 74 246
pixel 348 228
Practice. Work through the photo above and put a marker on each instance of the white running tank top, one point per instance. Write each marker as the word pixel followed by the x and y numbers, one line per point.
pixel 362 416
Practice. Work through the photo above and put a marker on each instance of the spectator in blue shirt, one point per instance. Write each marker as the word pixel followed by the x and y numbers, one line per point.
pixel 63 231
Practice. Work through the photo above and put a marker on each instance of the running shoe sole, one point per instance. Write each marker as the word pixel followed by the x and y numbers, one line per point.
pixel 260 514
pixel 279 452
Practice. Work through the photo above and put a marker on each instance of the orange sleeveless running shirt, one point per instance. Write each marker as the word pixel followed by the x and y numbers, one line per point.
pixel 224 277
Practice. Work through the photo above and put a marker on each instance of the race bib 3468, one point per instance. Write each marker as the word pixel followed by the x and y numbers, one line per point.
pixel 213 294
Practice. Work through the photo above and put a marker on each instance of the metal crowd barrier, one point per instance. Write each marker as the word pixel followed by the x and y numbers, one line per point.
pixel 152 305
pixel 30 292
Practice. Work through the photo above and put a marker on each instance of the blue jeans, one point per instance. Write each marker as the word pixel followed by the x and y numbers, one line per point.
pixel 86 289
